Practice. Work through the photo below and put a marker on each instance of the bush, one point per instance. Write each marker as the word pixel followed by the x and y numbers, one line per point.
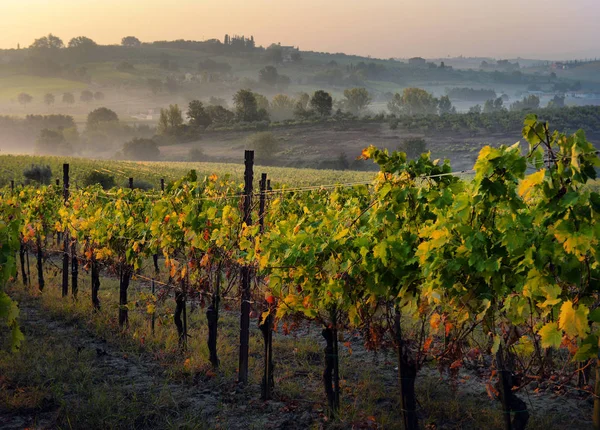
pixel 37 173
pixel 138 185
pixel 99 178
pixel 141 149
pixel 265 144
pixel 196 154
pixel 413 147
pixel 394 123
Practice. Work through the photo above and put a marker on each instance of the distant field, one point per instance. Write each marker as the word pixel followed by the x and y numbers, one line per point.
pixel 12 166
pixel 11 86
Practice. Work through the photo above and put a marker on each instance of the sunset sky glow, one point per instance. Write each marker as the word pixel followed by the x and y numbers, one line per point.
pixel 381 28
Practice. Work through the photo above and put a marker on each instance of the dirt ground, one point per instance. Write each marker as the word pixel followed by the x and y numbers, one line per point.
pixel 321 145
pixel 83 368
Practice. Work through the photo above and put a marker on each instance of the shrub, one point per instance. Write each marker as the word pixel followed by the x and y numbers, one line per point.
pixel 141 149
pixel 37 173
pixel 95 177
pixel 413 147
pixel 196 154
pixel 138 185
pixel 264 145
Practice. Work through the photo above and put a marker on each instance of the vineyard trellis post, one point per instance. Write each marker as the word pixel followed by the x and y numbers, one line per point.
pixel 65 266
pixel 131 183
pixel 12 185
pixel 40 262
pixel 22 258
pixel 153 320
pixel 155 255
pixel 58 182
pixel 74 267
pixel 266 325
pixel 245 271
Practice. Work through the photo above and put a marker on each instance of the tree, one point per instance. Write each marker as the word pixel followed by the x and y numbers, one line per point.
pixel 492 106
pixel 322 103
pixel 219 115
pixel 475 109
pixel 274 54
pixel 49 99
pixel 47 43
pixel 68 98
pixel 445 105
pixel 170 121
pixel 296 56
pixel 246 107
pixel 413 101
pixel 268 75
pixel 38 173
pixel 86 96
pixel 197 114
pixel 357 99
pixel 282 107
pixel 301 107
pixel 24 98
pixel 557 102
pixel 52 142
pixel 99 116
pixel 131 42
pixel 529 102
pixel 141 149
pixel 98 95
pixel 262 103
pixel 82 43
pixel 282 102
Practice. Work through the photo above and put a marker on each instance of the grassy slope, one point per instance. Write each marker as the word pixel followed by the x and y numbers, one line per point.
pixel 12 166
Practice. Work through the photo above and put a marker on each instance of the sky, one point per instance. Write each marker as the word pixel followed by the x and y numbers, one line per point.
pixel 548 29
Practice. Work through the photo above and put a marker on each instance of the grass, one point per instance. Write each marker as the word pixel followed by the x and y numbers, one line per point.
pixel 53 378
pixel 11 86
pixel 12 166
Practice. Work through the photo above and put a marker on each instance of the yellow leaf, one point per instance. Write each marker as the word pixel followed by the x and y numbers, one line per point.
pixel 341 234
pixel 573 321
pixel 526 186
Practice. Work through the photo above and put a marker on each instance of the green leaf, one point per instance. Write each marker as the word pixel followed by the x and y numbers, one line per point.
pixel 551 336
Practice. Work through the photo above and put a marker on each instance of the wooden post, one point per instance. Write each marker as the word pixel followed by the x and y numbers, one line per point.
pixel 155 256
pixel 40 262
pixel 153 313
pixel 245 272
pixel 131 183
pixel 28 267
pixel 596 412
pixel 266 325
pixel 261 205
pixel 12 185
pixel 65 268
pixel 58 182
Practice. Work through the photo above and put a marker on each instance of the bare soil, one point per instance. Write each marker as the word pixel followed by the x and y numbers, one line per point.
pixel 320 145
